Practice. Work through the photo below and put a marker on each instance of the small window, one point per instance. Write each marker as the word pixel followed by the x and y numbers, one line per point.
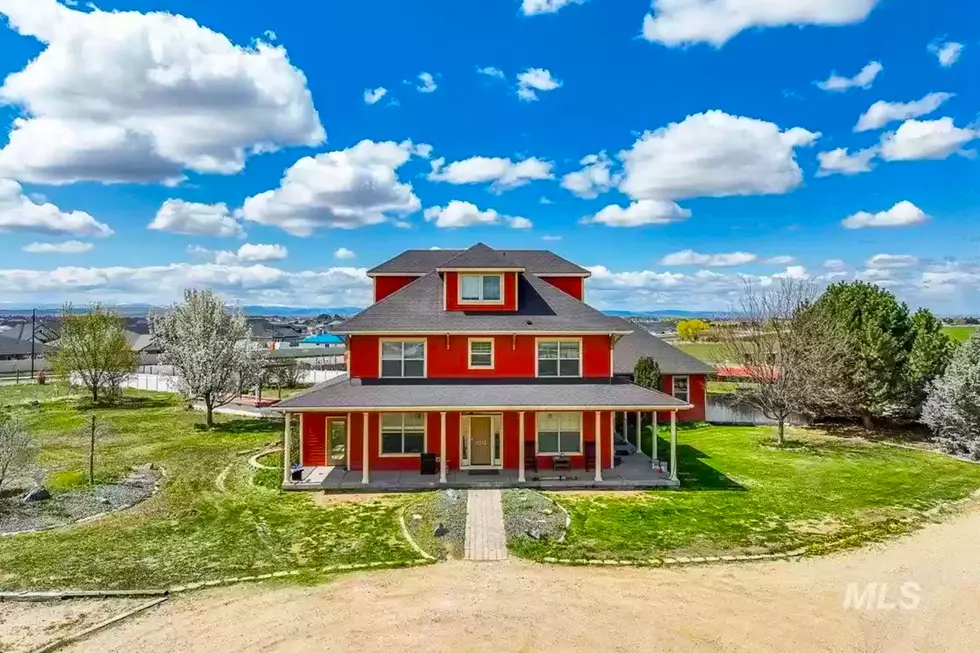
pixel 402 434
pixel 559 358
pixel 403 359
pixel 559 433
pixel 480 287
pixel 682 389
pixel 481 354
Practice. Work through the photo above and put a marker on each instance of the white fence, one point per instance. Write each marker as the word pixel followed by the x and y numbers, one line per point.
pixel 167 383
pixel 719 411
pixel 23 366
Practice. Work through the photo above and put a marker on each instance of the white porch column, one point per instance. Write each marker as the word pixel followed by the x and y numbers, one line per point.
pixel 625 425
pixel 612 439
pixel 285 448
pixel 301 461
pixel 598 446
pixel 520 448
pixel 639 431
pixel 442 447
pixel 347 446
pixel 673 445
pixel 654 462
pixel 366 456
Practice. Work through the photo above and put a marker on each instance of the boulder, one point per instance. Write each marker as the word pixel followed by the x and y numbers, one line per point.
pixel 534 534
pixel 441 530
pixel 37 494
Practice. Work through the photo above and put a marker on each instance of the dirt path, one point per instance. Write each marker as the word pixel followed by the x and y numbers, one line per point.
pixel 29 626
pixel 519 606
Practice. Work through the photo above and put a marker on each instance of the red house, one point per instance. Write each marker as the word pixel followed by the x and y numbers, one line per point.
pixel 486 367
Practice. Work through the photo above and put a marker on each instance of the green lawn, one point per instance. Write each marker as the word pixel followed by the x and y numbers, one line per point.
pixel 742 495
pixel 709 352
pixel 189 531
pixel 959 333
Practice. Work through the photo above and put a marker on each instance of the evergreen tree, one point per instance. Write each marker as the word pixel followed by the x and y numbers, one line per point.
pixel 931 352
pixel 952 409
pixel 646 373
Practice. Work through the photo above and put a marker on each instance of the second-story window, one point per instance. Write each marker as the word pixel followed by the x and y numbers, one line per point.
pixel 481 354
pixel 403 359
pixel 559 358
pixel 681 388
pixel 480 287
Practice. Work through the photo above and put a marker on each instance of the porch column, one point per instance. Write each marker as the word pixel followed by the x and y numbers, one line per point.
pixel 366 456
pixel 639 431
pixel 442 447
pixel 625 426
pixel 285 448
pixel 612 439
pixel 598 446
pixel 301 461
pixel 653 461
pixel 520 448
pixel 673 445
pixel 347 446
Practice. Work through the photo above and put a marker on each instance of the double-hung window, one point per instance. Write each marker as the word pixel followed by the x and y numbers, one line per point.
pixel 559 433
pixel 403 359
pixel 481 287
pixel 682 389
pixel 481 354
pixel 558 358
pixel 402 434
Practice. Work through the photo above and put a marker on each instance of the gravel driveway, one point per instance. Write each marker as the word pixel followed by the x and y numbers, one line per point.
pixel 520 606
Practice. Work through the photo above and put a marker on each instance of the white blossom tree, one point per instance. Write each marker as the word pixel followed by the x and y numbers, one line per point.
pixel 18 449
pixel 209 347
pixel 952 408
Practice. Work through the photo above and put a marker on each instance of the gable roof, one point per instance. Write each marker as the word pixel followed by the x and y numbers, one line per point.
pixel 480 257
pixel 641 343
pixel 423 261
pixel 18 347
pixel 418 308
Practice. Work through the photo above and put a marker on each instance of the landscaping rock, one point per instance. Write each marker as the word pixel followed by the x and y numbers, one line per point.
pixel 37 494
pixel 441 530
pixel 531 515
pixel 534 534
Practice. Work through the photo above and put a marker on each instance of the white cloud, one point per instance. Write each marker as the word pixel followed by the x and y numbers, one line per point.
pixel 779 260
pixel 551 239
pixel 504 174
pixel 638 214
pixel 680 22
pixel 535 7
pixel 68 247
pixel 136 97
pixel 345 189
pixel 533 80
pixel 690 257
pixel 714 154
pixel 864 79
pixel 428 84
pixel 373 96
pixel 792 272
pixel 835 264
pixel 592 180
pixel 344 254
pixel 948 52
pixel 23 214
pixel 490 71
pixel 193 219
pixel 459 214
pixel 926 139
pixel 890 261
pixel 247 253
pixel 881 113
pixel 903 214
pixel 840 162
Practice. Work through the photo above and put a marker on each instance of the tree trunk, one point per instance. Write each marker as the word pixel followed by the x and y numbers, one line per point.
pixel 91 455
pixel 95 394
pixel 781 431
pixel 209 412
pixel 867 422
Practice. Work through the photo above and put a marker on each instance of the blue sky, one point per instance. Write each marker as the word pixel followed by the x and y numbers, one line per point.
pixel 712 125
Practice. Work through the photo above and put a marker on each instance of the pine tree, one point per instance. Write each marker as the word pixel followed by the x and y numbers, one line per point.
pixel 931 352
pixel 952 409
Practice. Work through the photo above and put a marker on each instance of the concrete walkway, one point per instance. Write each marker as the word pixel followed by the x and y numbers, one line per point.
pixel 485 536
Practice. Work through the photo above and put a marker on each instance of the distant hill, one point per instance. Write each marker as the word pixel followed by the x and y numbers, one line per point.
pixel 137 310
pixel 667 313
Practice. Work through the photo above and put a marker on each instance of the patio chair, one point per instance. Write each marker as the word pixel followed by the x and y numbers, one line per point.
pixel 590 456
pixel 530 457
pixel 561 464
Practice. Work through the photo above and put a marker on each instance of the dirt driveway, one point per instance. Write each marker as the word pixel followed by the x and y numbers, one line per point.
pixel 518 606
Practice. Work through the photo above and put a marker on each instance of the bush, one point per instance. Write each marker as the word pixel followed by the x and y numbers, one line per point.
pixel 67 480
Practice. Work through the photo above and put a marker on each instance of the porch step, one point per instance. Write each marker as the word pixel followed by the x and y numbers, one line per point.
pixel 485 535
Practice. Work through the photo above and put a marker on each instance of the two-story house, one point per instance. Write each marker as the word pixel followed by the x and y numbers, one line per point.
pixel 491 361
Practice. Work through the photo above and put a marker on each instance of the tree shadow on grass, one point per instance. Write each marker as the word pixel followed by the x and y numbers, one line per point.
pixel 126 402
pixel 696 475
pixel 244 426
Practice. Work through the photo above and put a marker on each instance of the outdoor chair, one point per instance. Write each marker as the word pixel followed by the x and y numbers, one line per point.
pixel 530 457
pixel 590 456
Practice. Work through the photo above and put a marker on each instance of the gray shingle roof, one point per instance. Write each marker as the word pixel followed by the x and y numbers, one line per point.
pixel 16 347
pixel 423 261
pixel 345 394
pixel 417 308
pixel 672 360
pixel 481 257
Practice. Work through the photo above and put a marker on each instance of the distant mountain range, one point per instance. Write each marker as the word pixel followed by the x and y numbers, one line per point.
pixel 138 310
pixel 664 314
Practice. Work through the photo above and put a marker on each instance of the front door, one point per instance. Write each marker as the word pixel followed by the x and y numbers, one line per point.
pixel 481 446
pixel 337 442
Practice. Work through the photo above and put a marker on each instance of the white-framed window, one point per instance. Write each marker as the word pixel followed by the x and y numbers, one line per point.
pixel 403 359
pixel 559 358
pixel 481 288
pixel 681 387
pixel 559 433
pixel 481 354
pixel 402 434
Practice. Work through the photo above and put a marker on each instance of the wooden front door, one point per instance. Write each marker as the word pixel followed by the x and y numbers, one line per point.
pixel 337 442
pixel 481 436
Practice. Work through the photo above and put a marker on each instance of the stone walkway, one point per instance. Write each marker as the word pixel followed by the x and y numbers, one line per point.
pixel 485 536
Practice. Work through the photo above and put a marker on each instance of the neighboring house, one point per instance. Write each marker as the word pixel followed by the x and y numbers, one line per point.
pixel 14 349
pixel 142 343
pixel 322 340
pixel 274 335
pixel 489 359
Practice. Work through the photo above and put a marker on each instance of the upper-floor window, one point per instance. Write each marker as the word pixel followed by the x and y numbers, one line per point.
pixel 403 359
pixel 559 358
pixel 481 354
pixel 682 388
pixel 481 287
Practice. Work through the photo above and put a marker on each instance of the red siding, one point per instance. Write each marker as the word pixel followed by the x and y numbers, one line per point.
pixel 314 439
pixel 451 281
pixel 574 286
pixel 384 286
pixel 696 389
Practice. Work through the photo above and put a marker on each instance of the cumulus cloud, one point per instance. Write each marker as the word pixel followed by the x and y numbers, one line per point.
pixel 459 214
pixel 194 219
pixel 926 139
pixel 840 162
pixel 887 261
pixel 835 264
pixel 247 253
pixel 779 260
pixel 137 97
pixel 595 178
pixel 344 254
pixel 373 96
pixel 535 80
pixel 638 214
pixel 491 71
pixel 427 83
pixel 535 7
pixel 20 213
pixel 881 113
pixel 502 174
pixel 714 154
pixel 690 257
pixel 345 189
pixel 864 79
pixel 680 22
pixel 68 247
pixel 903 214
pixel 948 52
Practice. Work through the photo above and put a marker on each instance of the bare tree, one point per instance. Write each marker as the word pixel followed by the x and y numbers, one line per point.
pixel 209 348
pixel 784 353
pixel 18 449
pixel 92 349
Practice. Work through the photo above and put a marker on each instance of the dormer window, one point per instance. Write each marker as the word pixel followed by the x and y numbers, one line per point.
pixel 481 288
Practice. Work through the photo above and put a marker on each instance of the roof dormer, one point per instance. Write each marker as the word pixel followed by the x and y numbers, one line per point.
pixel 480 279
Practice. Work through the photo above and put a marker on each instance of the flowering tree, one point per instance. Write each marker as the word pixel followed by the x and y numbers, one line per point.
pixel 209 348
pixel 18 449
pixel 952 409
pixel 93 350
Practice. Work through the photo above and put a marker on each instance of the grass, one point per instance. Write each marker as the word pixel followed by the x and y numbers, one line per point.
pixel 960 333
pixel 189 531
pixel 741 494
pixel 709 352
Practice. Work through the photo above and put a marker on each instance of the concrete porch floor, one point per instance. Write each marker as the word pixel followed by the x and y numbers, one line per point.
pixel 634 473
